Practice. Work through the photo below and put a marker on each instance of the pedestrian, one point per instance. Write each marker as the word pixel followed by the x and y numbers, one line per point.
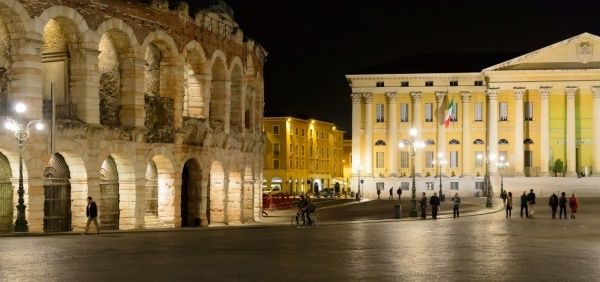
pixel 91 211
pixel 574 205
pixel 553 203
pixel 456 205
pixel 434 201
pixel 531 201
pixel 399 192
pixel 503 196
pixel 509 205
pixel 524 204
pixel 378 193
pixel 423 202
pixel 391 193
pixel 562 203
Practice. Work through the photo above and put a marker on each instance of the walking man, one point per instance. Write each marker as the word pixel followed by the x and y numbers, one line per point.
pixel 378 193
pixel 503 196
pixel 524 204
pixel 531 200
pixel 562 203
pixel 423 202
pixel 399 192
pixel 91 211
pixel 391 193
pixel 456 205
pixel 434 201
pixel 553 203
pixel 509 205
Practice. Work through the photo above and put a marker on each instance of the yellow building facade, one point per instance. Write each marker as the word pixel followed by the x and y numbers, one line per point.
pixel 302 156
pixel 529 112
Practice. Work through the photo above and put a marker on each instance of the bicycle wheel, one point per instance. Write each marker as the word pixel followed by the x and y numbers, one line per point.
pixel 315 219
pixel 295 221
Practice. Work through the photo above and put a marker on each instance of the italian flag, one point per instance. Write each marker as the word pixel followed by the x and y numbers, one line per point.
pixel 451 108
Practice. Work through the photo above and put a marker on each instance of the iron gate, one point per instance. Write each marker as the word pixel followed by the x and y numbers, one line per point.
pixel 6 196
pixel 109 195
pixel 57 193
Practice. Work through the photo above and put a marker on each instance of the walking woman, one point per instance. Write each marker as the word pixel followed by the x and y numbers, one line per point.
pixel 574 204
pixel 509 205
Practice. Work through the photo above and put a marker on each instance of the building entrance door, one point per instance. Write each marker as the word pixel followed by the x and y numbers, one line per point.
pixel 57 194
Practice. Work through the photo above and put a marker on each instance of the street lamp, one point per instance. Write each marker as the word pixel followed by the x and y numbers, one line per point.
pixel 486 180
pixel 413 145
pixel 501 166
pixel 440 163
pixel 21 132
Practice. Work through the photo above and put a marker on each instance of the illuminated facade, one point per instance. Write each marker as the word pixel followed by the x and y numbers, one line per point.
pixel 529 111
pixel 302 155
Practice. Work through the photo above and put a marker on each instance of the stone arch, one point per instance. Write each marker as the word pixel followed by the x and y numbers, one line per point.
pixel 219 92
pixel 237 94
pixel 6 195
pixel 116 64
pixel 191 183
pixel 216 192
pixel 158 164
pixel 196 80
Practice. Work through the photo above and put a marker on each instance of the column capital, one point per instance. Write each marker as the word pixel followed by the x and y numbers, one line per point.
pixel 465 96
pixel 356 98
pixel 391 96
pixel 368 98
pixel 571 91
pixel 519 92
pixel 596 92
pixel 492 93
pixel 440 95
pixel 545 92
pixel 415 96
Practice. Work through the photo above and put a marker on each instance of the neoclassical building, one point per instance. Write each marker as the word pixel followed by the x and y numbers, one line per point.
pixel 529 111
pixel 154 113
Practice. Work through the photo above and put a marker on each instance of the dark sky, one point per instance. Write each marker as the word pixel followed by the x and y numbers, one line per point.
pixel 313 44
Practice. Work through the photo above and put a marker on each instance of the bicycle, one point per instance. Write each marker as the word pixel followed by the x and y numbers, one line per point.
pixel 300 220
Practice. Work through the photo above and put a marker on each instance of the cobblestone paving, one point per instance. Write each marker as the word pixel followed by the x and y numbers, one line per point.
pixel 478 248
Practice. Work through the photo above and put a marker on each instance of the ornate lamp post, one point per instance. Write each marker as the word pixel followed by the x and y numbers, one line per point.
pixel 440 163
pixel 488 183
pixel 413 145
pixel 22 133
pixel 501 166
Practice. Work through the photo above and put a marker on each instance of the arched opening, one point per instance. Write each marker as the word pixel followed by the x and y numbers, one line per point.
pixel 503 142
pixel 109 212
pixel 236 105
pixel 216 194
pixel 159 94
pixel 57 195
pixel 528 141
pixel 234 197
pixel 429 142
pixel 478 142
pixel 380 143
pixel 6 196
pixel 218 94
pixel 58 61
pixel 151 188
pixel 160 193
pixel 190 194
pixel 193 96
pixel 454 142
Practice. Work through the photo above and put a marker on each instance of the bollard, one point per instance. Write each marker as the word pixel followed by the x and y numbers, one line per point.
pixel 397 211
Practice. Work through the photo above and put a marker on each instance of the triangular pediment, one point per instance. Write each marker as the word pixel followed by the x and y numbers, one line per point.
pixel 578 52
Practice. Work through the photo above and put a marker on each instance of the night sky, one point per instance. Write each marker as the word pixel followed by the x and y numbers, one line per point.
pixel 313 44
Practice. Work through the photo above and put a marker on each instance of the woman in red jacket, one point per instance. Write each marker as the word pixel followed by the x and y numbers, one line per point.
pixel 574 205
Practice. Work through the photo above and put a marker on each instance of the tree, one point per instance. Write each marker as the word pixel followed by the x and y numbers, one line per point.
pixel 558 167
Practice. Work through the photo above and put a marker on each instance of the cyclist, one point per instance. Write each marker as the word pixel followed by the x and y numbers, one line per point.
pixel 301 207
pixel 308 209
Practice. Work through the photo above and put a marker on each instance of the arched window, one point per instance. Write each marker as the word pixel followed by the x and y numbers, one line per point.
pixel 453 142
pixel 429 142
pixel 478 142
pixel 503 142
pixel 528 141
pixel 380 143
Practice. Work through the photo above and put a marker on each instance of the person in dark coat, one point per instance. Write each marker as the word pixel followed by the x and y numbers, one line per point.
pixel 378 193
pixel 399 192
pixel 553 203
pixel 434 201
pixel 391 193
pixel 91 211
pixel 562 203
pixel 456 205
pixel 531 200
pixel 509 205
pixel 423 202
pixel 524 204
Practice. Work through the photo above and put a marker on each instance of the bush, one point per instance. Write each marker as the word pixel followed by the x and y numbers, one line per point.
pixel 558 167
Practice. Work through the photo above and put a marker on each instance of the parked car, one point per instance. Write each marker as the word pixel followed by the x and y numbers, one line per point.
pixel 327 192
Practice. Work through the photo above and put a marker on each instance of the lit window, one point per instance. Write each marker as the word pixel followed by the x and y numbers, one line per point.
pixel 478 158
pixel 379 159
pixel 478 111
pixel 379 110
pixel 428 112
pixel 503 115
pixel 403 112
pixel 276 129
pixel 453 158
pixel 528 111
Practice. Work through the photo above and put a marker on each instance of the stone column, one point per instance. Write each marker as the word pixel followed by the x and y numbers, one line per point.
pixel 441 128
pixel 571 91
pixel 368 164
pixel 416 123
pixel 392 134
pixel 544 131
pixel 467 160
pixel 26 75
pixel 492 142
pixel 356 120
pixel 518 130
pixel 596 129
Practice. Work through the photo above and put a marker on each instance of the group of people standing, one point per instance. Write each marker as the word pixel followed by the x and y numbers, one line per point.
pixel 434 202
pixel 528 201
